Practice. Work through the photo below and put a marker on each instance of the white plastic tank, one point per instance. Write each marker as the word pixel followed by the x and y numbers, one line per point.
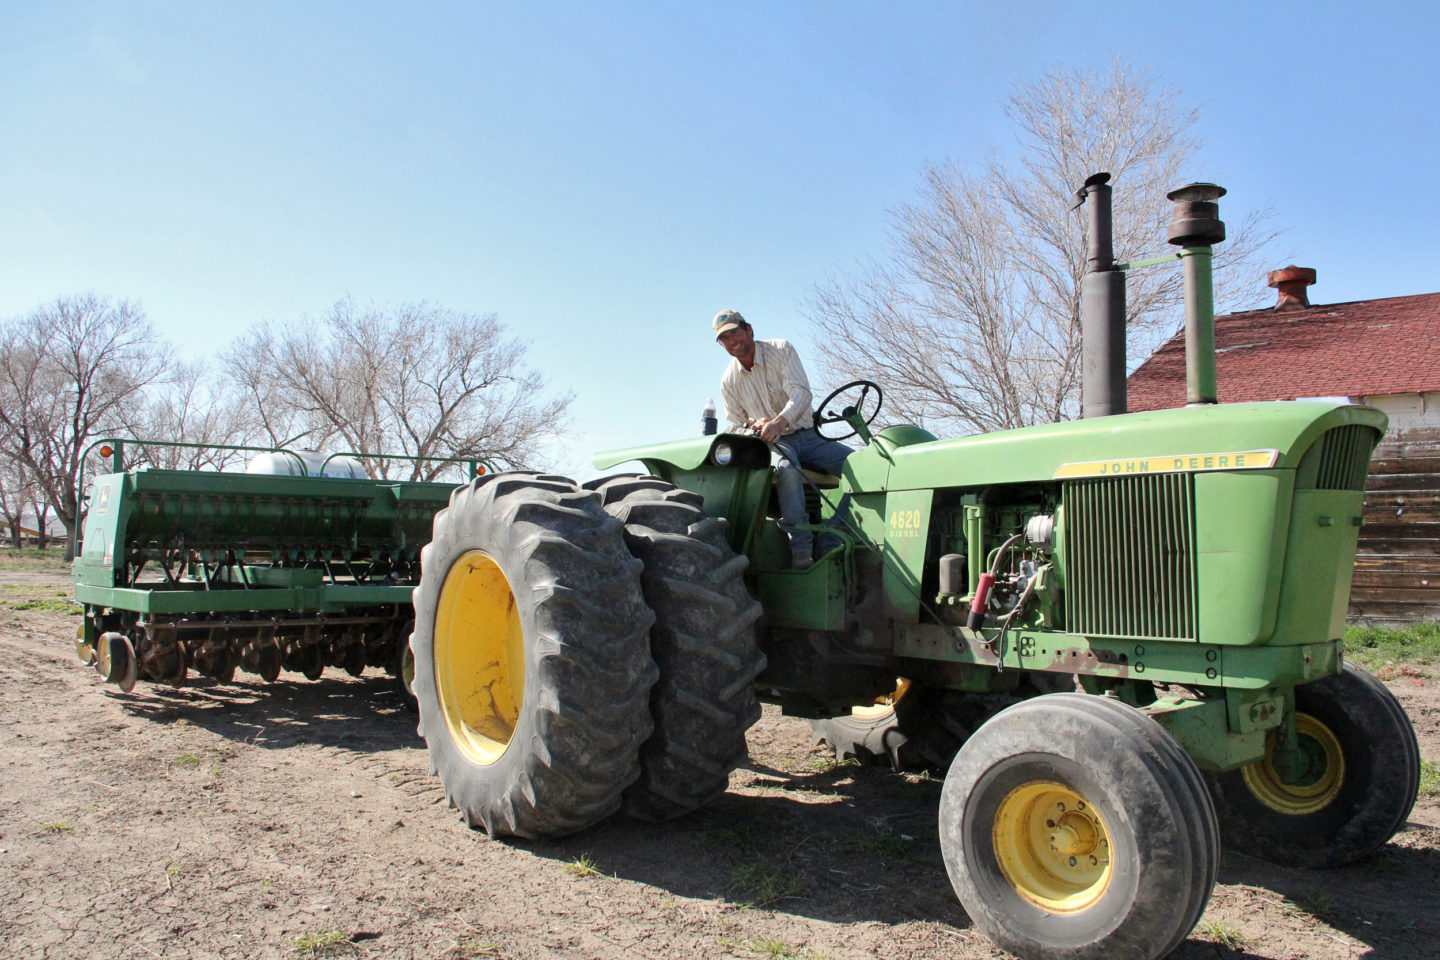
pixel 284 464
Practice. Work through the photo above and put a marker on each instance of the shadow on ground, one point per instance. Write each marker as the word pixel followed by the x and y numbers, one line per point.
pixel 362 714
pixel 1381 901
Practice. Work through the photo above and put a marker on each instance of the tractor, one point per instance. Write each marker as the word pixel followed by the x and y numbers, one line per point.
pixel 1120 633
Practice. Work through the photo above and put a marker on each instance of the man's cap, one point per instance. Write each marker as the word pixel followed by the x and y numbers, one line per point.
pixel 726 320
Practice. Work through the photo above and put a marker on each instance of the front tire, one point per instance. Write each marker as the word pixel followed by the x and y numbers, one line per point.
pixel 1362 777
pixel 1075 828
pixel 532 671
pixel 703 642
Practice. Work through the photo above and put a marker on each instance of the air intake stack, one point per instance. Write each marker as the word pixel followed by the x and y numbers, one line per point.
pixel 1195 226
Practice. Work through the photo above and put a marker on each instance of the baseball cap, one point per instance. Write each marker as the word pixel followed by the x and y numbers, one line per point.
pixel 726 320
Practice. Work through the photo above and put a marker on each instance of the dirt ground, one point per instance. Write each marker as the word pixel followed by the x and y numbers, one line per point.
pixel 253 820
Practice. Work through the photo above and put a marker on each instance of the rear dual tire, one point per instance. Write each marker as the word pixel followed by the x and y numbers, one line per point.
pixel 703 641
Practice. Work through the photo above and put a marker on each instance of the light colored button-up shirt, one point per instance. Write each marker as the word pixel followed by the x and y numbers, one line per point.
pixel 775 386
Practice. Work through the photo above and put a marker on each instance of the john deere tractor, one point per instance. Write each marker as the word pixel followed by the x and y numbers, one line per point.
pixel 1124 629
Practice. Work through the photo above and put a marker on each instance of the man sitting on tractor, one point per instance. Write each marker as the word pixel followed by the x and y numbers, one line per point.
pixel 766 392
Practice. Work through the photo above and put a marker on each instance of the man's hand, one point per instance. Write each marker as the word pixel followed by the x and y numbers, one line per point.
pixel 771 429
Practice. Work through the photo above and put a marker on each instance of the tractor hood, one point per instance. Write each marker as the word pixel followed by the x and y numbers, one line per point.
pixel 1211 437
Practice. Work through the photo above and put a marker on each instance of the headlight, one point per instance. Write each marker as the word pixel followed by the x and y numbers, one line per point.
pixel 723 454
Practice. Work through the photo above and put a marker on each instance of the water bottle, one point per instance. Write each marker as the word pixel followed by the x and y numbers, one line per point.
pixel 707 418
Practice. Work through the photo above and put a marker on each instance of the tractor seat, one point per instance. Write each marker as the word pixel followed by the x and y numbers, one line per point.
pixel 823 481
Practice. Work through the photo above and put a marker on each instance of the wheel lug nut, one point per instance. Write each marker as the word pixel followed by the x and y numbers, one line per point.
pixel 1072 861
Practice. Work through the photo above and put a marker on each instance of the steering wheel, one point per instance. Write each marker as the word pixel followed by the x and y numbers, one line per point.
pixel 824 415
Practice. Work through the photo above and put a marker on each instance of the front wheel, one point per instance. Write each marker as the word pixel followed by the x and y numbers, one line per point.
pixel 1075 828
pixel 1361 773
pixel 532 669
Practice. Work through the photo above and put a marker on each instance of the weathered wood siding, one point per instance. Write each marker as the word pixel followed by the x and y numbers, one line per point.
pixel 1397 567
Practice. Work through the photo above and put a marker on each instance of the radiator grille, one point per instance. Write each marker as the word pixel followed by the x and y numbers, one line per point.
pixel 1130 556
pixel 1344 458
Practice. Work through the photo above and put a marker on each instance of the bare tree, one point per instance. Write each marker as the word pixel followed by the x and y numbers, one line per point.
pixel 256 389
pixel 416 380
pixel 72 371
pixel 17 492
pixel 972 320
pixel 193 408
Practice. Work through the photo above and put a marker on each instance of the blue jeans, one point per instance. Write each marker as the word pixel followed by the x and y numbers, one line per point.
pixel 808 450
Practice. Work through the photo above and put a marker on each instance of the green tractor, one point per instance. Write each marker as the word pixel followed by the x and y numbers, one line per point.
pixel 1118 627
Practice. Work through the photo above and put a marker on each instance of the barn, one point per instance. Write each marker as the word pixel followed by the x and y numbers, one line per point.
pixel 1383 352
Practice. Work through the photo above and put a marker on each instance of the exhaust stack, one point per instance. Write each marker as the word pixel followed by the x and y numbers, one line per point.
pixel 1195 226
pixel 1102 307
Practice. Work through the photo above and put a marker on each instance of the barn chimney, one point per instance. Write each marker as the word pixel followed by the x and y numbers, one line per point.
pixel 1291 281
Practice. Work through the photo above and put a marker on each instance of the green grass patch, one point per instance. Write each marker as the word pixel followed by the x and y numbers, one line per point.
pixel 49 560
pixel 1429 779
pixel 322 942
pixel 187 760
pixel 1317 903
pixel 48 605
pixel 57 826
pixel 770 947
pixel 743 835
pixel 582 866
pixel 1373 647
pixel 1223 934
pixel 178 867
pixel 759 884
pixel 877 844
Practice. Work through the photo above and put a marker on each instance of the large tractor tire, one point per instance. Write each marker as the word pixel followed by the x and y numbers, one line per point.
pixel 532 671
pixel 703 641
pixel 1075 828
pixel 1362 775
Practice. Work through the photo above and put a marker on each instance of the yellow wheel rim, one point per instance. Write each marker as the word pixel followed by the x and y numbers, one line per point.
pixel 84 649
pixel 1317 787
pixel 101 663
pixel 1052 846
pixel 479 657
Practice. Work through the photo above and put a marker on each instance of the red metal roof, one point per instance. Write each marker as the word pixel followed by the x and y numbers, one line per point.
pixel 1362 348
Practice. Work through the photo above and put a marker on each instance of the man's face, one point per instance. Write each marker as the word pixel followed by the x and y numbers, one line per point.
pixel 739 342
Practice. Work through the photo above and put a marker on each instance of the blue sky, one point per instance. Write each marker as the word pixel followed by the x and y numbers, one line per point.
pixel 605 176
